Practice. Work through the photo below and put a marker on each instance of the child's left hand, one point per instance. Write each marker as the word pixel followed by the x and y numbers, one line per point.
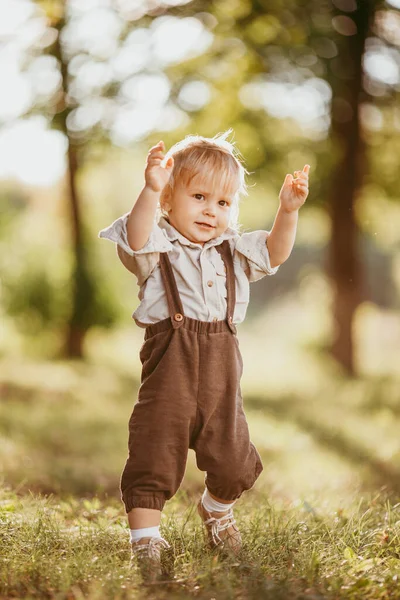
pixel 294 191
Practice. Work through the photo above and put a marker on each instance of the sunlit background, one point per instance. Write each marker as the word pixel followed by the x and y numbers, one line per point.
pixel 86 88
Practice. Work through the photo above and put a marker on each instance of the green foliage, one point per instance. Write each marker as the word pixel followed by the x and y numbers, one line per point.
pixel 292 41
pixel 263 29
pixel 96 306
pixel 33 299
pixel 12 203
pixel 39 299
pixel 36 285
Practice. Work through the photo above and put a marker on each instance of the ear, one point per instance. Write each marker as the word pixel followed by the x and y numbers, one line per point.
pixel 165 199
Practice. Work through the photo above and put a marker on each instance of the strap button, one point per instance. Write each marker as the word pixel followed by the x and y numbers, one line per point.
pixel 178 317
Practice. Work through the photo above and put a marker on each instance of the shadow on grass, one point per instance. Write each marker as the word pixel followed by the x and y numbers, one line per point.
pixel 330 437
pixel 240 581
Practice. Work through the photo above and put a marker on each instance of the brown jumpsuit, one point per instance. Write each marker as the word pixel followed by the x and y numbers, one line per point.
pixel 189 397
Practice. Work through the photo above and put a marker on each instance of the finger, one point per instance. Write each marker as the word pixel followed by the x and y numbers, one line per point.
pixel 160 146
pixel 301 174
pixel 156 153
pixel 306 169
pixel 156 160
pixel 302 180
pixel 288 179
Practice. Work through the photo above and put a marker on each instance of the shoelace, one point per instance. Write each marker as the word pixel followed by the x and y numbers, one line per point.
pixel 217 526
pixel 152 549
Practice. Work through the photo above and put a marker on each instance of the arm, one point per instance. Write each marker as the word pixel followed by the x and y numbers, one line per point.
pixel 280 241
pixel 292 196
pixel 141 217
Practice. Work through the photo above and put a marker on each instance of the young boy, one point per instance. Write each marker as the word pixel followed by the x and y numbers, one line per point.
pixel 193 267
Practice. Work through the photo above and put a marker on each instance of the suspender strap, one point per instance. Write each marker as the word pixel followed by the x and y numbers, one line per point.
pixel 174 301
pixel 173 298
pixel 226 255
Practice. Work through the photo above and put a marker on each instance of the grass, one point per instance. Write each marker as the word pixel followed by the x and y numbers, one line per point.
pixel 79 548
pixel 323 520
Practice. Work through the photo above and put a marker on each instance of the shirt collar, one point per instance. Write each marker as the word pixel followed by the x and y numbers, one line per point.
pixel 173 235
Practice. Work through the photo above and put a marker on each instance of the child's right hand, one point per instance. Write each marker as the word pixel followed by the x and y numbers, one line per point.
pixel 155 175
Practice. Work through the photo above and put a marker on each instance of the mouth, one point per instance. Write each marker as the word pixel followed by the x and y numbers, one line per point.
pixel 205 225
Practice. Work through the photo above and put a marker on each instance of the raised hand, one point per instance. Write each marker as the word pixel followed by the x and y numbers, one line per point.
pixel 294 190
pixel 156 175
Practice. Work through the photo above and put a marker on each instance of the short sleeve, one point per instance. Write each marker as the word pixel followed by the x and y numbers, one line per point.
pixel 139 262
pixel 254 256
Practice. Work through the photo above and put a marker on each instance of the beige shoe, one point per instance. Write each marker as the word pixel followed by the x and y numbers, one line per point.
pixel 146 554
pixel 222 530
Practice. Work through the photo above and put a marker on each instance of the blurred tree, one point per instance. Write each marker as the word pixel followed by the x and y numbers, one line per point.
pixel 93 102
pixel 87 305
pixel 288 44
pixel 345 77
pixel 266 69
pixel 83 288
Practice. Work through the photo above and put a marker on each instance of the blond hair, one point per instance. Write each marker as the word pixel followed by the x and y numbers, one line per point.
pixel 217 159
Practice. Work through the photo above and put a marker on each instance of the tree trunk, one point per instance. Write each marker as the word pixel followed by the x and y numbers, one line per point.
pixel 81 283
pixel 344 262
pixel 75 331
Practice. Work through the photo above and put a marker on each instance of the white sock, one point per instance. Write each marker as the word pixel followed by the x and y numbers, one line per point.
pixel 213 505
pixel 136 534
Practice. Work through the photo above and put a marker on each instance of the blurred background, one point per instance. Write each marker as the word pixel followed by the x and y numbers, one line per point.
pixel 86 88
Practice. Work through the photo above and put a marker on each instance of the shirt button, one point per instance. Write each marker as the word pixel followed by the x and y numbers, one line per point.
pixel 210 283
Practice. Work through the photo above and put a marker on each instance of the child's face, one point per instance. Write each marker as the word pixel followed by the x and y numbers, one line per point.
pixel 199 211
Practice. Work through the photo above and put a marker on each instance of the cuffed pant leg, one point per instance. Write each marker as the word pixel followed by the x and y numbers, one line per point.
pixel 221 441
pixel 153 501
pixel 160 423
pixel 229 483
pixel 158 447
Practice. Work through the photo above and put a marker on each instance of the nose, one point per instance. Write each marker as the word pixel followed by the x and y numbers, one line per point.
pixel 209 209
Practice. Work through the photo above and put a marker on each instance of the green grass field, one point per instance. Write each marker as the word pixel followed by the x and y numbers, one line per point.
pixel 78 548
pixel 323 520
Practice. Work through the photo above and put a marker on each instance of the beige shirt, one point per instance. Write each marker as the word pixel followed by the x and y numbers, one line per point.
pixel 199 270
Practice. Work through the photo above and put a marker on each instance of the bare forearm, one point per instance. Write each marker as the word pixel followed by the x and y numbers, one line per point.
pixel 141 218
pixel 283 234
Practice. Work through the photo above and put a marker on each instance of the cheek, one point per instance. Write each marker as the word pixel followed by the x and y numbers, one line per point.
pixel 186 210
pixel 224 219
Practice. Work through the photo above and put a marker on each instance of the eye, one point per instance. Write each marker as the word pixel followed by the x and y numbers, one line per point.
pixel 196 196
pixel 225 203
